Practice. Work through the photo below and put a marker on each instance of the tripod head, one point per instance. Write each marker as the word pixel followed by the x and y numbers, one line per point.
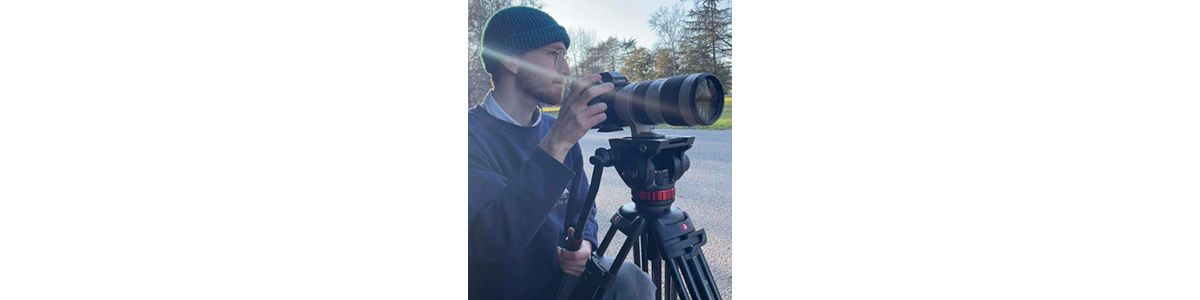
pixel 648 163
pixel 650 166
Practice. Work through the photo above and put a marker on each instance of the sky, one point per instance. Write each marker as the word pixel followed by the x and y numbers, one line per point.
pixel 619 18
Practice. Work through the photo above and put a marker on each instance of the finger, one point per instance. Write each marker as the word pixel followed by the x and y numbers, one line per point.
pixel 568 268
pixel 576 87
pixel 581 83
pixel 570 231
pixel 593 92
pixel 577 255
pixel 596 119
pixel 594 109
pixel 569 255
pixel 571 267
pixel 574 267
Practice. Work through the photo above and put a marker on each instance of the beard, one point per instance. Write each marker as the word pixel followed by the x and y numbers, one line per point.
pixel 540 87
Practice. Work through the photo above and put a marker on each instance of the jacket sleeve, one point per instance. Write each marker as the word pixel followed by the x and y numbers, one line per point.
pixel 505 215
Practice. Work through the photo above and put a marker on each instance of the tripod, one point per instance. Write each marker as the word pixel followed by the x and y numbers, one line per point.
pixel 655 231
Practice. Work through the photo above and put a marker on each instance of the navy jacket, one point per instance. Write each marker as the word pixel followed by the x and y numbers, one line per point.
pixel 516 208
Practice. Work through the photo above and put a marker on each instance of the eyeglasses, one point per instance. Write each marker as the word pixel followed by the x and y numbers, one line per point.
pixel 560 58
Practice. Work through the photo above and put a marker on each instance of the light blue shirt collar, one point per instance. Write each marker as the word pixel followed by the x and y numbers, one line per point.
pixel 493 108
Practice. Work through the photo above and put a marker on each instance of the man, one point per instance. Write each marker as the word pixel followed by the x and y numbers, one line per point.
pixel 525 166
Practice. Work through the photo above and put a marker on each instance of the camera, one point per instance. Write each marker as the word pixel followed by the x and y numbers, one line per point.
pixel 685 100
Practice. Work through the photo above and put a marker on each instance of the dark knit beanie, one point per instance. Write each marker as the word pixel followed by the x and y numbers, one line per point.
pixel 515 30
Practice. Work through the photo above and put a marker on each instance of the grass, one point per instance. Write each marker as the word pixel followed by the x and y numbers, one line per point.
pixel 723 123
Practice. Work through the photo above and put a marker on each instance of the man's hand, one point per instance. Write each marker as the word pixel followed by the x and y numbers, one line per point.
pixel 576 117
pixel 573 262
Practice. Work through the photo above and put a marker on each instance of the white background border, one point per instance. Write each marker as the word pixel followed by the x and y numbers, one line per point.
pixel 274 149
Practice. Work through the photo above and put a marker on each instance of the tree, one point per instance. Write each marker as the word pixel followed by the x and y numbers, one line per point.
pixel 710 40
pixel 478 12
pixel 599 58
pixel 608 55
pixel 639 65
pixel 665 63
pixel 624 48
pixel 668 23
pixel 581 40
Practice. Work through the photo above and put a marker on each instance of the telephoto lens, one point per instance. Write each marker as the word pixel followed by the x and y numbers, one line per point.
pixel 684 100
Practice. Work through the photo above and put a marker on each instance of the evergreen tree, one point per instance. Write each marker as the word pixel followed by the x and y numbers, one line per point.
pixel 710 43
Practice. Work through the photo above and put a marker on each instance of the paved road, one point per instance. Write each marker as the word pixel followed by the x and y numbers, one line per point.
pixel 704 192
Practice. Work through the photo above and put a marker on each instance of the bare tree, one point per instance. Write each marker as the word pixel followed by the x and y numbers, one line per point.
pixel 599 58
pixel 668 22
pixel 581 41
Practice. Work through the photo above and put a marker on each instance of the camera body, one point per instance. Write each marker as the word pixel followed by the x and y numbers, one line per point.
pixel 613 122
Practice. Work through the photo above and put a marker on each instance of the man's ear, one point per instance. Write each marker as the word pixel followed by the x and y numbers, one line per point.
pixel 510 64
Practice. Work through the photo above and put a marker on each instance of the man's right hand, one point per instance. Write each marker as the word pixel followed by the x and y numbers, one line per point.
pixel 575 117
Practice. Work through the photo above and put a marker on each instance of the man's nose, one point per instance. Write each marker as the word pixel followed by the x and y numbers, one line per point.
pixel 564 69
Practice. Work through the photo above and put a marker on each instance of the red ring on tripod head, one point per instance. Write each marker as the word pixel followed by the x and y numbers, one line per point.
pixel 662 195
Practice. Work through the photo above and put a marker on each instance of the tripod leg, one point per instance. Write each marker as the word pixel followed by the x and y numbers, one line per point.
pixel 701 284
pixel 596 278
pixel 637 251
pixel 651 255
pixel 638 227
pixel 676 279
pixel 645 262
pixel 708 272
pixel 617 261
pixel 658 281
pixel 608 236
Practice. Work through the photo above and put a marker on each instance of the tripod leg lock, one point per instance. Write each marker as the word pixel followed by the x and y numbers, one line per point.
pixel 594 281
pixel 685 245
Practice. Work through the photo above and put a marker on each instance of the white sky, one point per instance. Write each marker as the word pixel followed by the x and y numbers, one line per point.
pixel 619 18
